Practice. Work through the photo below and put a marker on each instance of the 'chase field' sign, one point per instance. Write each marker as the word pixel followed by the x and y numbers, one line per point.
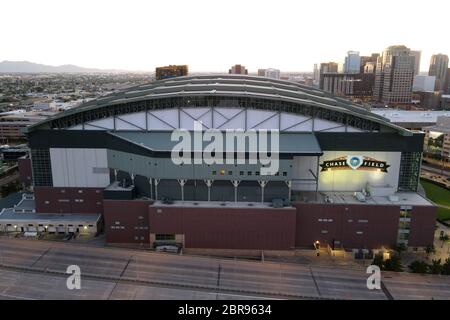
pixel 355 163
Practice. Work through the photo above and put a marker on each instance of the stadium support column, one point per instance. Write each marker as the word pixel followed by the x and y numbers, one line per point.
pixel 262 184
pixel 115 175
pixel 289 184
pixel 132 178
pixel 182 182
pixel 156 188
pixel 150 182
pixel 209 184
pixel 317 176
pixel 235 184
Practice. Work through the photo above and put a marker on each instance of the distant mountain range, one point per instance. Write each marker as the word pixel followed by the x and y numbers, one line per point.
pixel 30 67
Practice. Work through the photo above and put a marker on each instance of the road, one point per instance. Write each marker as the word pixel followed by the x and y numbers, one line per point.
pixel 31 269
pixel 435 170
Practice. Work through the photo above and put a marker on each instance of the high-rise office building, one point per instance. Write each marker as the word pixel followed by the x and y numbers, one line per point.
pixel 327 67
pixel 316 74
pixel 238 69
pixel 272 73
pixel 394 76
pixel 370 61
pixel 438 68
pixel 171 71
pixel 356 85
pixel 424 83
pixel 261 72
pixel 352 62
pixel 447 82
pixel 416 54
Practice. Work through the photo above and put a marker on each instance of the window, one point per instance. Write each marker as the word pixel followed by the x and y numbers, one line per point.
pixel 409 171
pixel 230 173
pixel 241 173
pixel 214 173
pixel 284 173
pixel 165 237
pixel 249 173
pixel 42 170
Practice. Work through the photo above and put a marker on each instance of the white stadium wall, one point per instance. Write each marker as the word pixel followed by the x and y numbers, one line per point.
pixel 87 168
pixel 302 173
pixel 347 179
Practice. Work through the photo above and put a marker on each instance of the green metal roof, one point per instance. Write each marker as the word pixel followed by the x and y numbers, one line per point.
pixel 227 86
pixel 293 143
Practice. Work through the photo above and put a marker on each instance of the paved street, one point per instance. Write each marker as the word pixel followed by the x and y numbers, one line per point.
pixel 31 269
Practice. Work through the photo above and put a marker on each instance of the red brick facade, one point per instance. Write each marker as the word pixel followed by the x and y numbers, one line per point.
pixel 68 200
pixel 230 228
pixel 127 221
pixel 347 225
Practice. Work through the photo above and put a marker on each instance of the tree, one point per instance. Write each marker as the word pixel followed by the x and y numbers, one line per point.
pixel 418 267
pixel 378 261
pixel 393 264
pixel 446 267
pixel 444 238
pixel 430 250
pixel 435 267
pixel 400 248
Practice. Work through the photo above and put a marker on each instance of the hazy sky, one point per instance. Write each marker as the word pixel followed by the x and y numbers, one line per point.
pixel 212 35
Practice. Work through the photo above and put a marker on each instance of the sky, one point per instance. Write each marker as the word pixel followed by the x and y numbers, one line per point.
pixel 211 35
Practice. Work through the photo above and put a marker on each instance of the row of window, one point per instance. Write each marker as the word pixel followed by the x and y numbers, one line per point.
pixel 242 173
pixel 81 191
pixel 326 231
pixel 98 203
pixel 349 220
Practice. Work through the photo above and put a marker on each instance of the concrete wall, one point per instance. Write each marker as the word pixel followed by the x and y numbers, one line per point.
pixel 79 167
pixel 354 180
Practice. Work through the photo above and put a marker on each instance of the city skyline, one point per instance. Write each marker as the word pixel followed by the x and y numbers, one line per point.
pixel 129 37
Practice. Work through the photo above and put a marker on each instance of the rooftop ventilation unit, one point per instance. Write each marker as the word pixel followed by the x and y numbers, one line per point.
pixel 360 196
pixel 277 203
pixel 393 198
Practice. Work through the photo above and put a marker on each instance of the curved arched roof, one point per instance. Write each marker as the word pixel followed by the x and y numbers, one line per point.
pixel 214 88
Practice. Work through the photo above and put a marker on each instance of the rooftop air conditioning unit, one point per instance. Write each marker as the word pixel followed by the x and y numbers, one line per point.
pixel 360 196
pixel 393 198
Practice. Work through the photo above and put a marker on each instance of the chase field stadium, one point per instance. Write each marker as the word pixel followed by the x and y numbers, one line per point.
pixel 347 177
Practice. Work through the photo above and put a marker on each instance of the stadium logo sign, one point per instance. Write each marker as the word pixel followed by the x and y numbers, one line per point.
pixel 354 162
pixel 237 146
